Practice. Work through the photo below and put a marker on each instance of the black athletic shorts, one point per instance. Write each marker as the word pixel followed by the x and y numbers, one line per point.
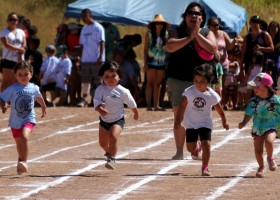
pixel 107 125
pixel 203 133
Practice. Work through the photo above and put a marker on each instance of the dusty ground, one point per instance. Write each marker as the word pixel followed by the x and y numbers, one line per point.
pixel 66 161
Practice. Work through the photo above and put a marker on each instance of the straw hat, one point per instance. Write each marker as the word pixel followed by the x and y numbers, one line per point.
pixel 159 18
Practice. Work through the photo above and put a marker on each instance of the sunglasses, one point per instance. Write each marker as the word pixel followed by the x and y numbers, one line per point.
pixel 196 13
pixel 215 25
pixel 159 23
pixel 12 20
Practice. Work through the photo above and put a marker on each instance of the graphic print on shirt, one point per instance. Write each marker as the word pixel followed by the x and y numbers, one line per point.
pixel 199 103
pixel 23 105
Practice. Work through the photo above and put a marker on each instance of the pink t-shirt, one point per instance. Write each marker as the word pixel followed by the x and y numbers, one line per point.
pixel 222 48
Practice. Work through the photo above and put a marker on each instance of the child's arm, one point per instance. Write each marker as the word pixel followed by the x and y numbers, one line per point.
pixel 136 113
pixel 4 106
pixel 220 111
pixel 102 111
pixel 66 80
pixel 245 120
pixel 180 113
pixel 43 105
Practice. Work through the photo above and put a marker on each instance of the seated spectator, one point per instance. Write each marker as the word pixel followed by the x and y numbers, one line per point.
pixel 126 44
pixel 63 71
pixel 128 79
pixel 48 74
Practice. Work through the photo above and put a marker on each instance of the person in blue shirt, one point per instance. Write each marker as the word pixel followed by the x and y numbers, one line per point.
pixel 19 97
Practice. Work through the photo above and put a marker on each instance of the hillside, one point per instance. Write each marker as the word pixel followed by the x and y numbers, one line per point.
pixel 47 14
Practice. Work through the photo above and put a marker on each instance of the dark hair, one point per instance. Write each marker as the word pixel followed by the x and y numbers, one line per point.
pixel 269 65
pixel 35 40
pixel 211 19
pixel 33 30
pixel 24 20
pixel 202 10
pixel 162 34
pixel 271 91
pixel 256 19
pixel 86 11
pixel 12 13
pixel 23 65
pixel 110 66
pixel 259 57
pixel 277 36
pixel 204 70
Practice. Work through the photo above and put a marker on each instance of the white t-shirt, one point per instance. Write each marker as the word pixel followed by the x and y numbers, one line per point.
pixel 15 39
pixel 113 98
pixel 198 112
pixel 62 71
pixel 49 69
pixel 91 37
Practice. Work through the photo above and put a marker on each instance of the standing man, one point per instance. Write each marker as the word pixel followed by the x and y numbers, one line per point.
pixel 92 39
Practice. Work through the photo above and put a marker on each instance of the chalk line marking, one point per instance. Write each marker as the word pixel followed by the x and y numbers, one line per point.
pixel 142 182
pixel 72 130
pixel 80 171
pixel 52 153
pixel 221 190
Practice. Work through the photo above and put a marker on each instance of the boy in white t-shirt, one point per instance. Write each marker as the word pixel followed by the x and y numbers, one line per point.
pixel 195 114
pixel 63 71
pixel 48 74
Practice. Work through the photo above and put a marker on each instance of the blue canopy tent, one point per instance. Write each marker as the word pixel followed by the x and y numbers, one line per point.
pixel 141 12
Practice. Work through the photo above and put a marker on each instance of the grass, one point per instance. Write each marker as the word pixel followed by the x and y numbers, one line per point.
pixel 47 14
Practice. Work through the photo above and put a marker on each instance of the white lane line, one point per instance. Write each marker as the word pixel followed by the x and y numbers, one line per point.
pixel 52 153
pixel 221 190
pixel 80 171
pixel 164 170
pixel 68 130
pixel 4 119
pixel 4 129
pixel 68 117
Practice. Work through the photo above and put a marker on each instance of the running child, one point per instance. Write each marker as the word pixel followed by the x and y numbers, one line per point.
pixel 109 101
pixel 195 114
pixel 264 107
pixel 22 119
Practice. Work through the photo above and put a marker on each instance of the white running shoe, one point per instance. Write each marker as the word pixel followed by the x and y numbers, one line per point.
pixel 22 167
pixel 110 164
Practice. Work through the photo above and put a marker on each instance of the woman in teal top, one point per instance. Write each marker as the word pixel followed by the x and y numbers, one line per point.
pixel 155 59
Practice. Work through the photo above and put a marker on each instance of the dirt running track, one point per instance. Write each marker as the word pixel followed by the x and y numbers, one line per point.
pixel 66 161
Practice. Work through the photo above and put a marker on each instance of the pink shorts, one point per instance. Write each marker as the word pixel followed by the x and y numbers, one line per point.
pixel 18 132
